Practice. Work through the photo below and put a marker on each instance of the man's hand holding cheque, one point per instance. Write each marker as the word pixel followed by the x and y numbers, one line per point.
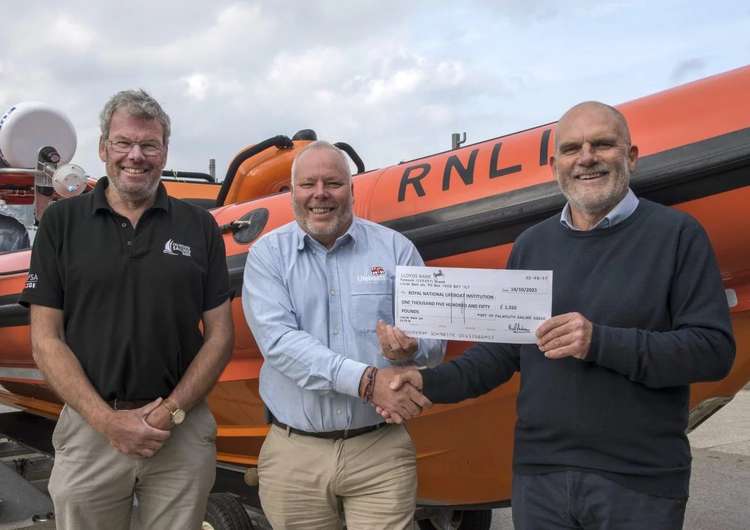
pixel 396 404
pixel 567 335
pixel 396 345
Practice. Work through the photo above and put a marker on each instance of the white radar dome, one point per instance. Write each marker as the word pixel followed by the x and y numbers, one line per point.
pixel 27 127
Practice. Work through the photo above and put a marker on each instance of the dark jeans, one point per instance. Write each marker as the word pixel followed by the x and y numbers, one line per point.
pixel 583 500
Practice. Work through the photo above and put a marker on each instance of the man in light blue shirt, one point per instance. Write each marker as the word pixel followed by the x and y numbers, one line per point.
pixel 314 291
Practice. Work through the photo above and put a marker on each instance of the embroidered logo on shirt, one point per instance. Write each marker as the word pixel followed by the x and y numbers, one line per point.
pixel 31 281
pixel 375 274
pixel 176 249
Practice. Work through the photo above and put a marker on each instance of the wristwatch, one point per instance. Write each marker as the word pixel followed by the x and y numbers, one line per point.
pixel 178 415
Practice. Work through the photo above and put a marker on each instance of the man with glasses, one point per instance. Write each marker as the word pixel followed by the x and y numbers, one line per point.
pixel 119 281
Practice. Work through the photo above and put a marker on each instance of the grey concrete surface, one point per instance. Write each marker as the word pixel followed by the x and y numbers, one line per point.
pixel 720 482
pixel 727 431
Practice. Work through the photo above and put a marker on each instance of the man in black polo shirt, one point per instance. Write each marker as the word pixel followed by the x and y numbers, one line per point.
pixel 119 281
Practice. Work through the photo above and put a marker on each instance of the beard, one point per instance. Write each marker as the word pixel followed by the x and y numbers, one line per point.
pixel 333 228
pixel 599 201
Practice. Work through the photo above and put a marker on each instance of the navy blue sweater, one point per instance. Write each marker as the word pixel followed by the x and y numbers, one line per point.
pixel 651 287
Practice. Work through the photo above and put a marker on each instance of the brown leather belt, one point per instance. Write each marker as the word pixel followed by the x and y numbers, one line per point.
pixel 330 435
pixel 119 404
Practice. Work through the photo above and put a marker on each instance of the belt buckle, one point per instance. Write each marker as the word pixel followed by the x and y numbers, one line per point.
pixel 346 434
pixel 114 404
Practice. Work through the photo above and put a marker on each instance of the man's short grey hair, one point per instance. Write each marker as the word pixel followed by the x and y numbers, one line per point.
pixel 139 104
pixel 320 145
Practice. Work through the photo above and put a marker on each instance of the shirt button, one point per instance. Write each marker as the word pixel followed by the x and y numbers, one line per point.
pixel 338 411
pixel 130 243
pixel 333 291
pixel 335 332
pixel 124 225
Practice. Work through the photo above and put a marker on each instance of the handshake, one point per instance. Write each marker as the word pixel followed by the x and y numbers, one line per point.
pixel 396 392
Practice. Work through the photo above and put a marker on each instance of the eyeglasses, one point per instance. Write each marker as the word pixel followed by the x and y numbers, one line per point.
pixel 124 147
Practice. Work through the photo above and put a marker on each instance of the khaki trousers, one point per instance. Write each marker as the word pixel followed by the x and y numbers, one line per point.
pixel 93 485
pixel 308 483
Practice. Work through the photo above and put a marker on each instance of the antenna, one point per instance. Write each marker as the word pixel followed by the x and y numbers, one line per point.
pixel 457 140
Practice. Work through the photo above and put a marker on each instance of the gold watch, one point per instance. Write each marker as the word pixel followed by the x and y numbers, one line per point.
pixel 178 415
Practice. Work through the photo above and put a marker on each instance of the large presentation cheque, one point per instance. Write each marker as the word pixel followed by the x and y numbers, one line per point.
pixel 487 305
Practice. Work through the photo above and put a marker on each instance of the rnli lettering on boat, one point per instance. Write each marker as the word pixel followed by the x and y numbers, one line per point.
pixel 414 174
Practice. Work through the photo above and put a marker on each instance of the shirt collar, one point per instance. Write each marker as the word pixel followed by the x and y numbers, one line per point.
pixel 100 198
pixel 303 238
pixel 618 214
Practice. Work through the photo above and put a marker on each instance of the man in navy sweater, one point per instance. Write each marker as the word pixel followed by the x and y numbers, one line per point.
pixel 639 314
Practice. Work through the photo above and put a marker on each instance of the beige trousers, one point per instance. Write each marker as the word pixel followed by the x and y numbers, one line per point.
pixel 309 483
pixel 93 485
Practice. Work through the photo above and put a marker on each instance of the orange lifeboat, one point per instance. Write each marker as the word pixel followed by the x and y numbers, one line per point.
pixel 462 208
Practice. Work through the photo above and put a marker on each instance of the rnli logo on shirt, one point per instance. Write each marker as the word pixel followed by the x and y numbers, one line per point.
pixel 375 274
pixel 31 281
pixel 173 248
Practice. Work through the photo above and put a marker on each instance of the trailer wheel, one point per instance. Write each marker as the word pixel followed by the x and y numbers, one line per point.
pixel 465 520
pixel 225 512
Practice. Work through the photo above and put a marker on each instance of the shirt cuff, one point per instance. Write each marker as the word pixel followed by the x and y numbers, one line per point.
pixel 430 381
pixel 430 352
pixel 596 338
pixel 349 377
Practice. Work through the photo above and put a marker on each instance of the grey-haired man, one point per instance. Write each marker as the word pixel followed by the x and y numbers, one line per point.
pixel 120 279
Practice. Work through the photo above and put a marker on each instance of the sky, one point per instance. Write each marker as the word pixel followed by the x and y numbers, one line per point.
pixel 393 79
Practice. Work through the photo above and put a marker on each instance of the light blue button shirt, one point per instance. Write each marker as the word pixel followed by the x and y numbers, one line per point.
pixel 313 312
pixel 618 214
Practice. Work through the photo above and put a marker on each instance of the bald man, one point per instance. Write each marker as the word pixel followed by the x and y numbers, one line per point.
pixel 318 296
pixel 639 313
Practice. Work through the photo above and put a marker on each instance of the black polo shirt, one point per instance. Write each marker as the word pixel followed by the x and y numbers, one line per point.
pixel 132 299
